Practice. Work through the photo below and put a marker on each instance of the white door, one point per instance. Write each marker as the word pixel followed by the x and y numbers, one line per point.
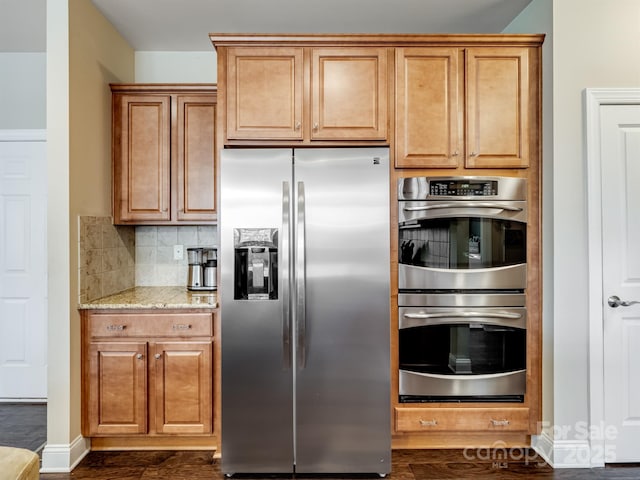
pixel 620 153
pixel 23 264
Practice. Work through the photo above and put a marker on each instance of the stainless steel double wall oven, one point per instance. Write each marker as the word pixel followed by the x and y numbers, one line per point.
pixel 462 277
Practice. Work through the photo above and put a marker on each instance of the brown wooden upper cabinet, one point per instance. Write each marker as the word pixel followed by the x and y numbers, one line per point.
pixel 164 149
pixel 470 107
pixel 305 94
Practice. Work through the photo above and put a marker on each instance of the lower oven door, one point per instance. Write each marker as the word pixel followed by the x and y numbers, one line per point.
pixel 462 354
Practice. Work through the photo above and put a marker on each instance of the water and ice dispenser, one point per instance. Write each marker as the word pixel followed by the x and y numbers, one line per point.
pixel 256 263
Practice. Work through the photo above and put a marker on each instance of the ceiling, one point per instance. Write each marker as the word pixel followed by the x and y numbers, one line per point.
pixel 172 25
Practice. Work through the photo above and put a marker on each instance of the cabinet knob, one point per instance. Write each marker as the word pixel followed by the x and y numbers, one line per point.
pixel 181 326
pixel 500 423
pixel 429 423
pixel 455 154
pixel 315 127
pixel 298 125
pixel 139 356
pixel 157 356
pixel 474 154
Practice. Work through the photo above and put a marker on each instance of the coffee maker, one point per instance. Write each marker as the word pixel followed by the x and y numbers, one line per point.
pixel 202 274
pixel 195 273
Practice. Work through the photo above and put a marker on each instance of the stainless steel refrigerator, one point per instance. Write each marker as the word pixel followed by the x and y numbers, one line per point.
pixel 304 305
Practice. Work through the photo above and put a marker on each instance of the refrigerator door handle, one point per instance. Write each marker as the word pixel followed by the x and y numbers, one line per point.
pixel 286 258
pixel 300 278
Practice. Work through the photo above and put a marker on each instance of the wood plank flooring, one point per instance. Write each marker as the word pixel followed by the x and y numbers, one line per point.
pixel 407 465
pixel 23 425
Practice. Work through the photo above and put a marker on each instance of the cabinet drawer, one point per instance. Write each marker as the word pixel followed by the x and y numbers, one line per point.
pixel 461 419
pixel 148 324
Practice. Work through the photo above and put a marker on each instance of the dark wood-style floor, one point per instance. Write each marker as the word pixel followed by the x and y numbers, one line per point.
pixel 407 465
pixel 24 425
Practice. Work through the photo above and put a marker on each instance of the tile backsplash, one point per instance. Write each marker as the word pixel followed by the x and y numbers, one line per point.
pixel 106 261
pixel 155 266
pixel 114 258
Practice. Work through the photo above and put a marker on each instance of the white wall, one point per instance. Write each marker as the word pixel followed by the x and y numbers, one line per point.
pixel 23 90
pixel 84 54
pixel 59 343
pixel 176 67
pixel 600 47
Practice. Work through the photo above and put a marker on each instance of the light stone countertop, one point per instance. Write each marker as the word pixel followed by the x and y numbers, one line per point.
pixel 154 297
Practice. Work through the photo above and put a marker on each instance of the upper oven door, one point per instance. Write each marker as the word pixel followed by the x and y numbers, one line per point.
pixel 462 244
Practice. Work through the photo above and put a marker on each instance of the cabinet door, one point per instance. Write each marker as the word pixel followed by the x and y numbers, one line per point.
pixel 183 387
pixel 195 158
pixel 497 107
pixel 264 93
pixel 428 119
pixel 349 94
pixel 142 160
pixel 117 402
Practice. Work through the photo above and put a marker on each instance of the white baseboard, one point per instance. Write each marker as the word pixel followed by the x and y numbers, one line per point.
pixel 63 458
pixel 562 453
pixel 543 445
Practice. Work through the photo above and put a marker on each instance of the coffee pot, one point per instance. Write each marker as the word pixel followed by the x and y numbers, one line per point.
pixel 210 274
pixel 202 274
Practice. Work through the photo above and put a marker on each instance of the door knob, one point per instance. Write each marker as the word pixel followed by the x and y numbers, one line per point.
pixel 615 302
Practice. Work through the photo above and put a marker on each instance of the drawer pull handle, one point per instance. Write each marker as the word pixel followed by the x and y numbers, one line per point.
pixel 139 356
pixel 181 326
pixel 429 423
pixel 500 423
pixel 115 328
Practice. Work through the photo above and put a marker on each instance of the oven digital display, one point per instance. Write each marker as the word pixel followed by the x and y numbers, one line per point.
pixel 463 188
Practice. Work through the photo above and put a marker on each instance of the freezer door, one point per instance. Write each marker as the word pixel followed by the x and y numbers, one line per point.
pixel 257 378
pixel 342 320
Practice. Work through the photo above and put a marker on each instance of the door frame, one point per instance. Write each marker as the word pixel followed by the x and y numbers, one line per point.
pixel 594 98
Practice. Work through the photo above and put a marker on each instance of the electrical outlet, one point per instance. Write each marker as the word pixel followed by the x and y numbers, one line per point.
pixel 178 252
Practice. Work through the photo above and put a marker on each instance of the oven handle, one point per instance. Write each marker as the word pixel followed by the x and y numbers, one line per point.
pixel 440 206
pixel 427 316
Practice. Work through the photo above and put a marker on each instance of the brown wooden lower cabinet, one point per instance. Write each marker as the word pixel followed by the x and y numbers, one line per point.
pixel 117 390
pixel 182 379
pixel 147 373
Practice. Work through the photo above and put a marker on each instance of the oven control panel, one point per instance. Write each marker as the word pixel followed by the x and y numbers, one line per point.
pixel 463 188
